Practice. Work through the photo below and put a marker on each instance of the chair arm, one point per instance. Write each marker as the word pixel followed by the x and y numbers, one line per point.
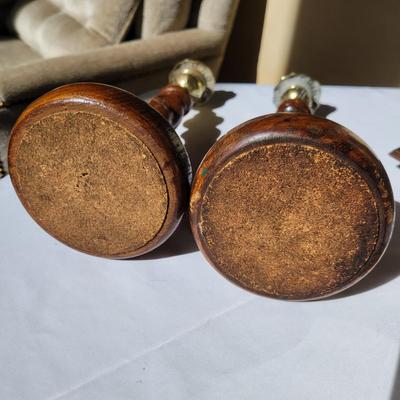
pixel 108 64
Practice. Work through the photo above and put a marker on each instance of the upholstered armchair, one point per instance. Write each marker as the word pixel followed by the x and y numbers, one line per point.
pixel 129 43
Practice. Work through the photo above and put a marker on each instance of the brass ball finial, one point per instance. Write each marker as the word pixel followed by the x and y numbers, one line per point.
pixel 196 77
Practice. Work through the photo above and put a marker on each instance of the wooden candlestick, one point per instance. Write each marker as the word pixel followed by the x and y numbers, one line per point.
pixel 103 171
pixel 290 205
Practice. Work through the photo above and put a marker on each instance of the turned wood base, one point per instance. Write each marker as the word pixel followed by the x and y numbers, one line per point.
pixel 292 206
pixel 100 170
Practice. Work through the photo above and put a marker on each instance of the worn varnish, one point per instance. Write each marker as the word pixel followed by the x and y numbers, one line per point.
pixel 101 170
pixel 292 206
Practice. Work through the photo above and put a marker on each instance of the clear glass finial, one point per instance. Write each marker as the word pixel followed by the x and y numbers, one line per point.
pixel 298 86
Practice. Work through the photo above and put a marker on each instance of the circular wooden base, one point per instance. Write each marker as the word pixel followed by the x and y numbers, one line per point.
pixel 95 177
pixel 291 206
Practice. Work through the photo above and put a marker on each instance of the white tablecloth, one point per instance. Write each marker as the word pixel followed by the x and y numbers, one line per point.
pixel 168 326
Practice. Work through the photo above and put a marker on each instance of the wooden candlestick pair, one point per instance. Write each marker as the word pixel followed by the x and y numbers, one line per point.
pixel 287 205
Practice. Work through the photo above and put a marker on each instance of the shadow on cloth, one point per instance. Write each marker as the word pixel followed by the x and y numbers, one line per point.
pixel 387 269
pixel 202 132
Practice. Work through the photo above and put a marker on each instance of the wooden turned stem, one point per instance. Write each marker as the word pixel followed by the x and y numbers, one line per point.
pixel 172 102
pixel 294 105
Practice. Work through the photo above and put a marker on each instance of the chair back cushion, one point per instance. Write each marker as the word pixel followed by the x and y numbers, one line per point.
pixel 110 18
pixel 58 27
pixel 161 16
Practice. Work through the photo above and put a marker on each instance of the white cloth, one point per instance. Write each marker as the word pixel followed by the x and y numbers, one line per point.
pixel 168 326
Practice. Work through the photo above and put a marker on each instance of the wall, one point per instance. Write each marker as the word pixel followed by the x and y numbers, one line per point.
pixel 355 42
pixel 240 63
